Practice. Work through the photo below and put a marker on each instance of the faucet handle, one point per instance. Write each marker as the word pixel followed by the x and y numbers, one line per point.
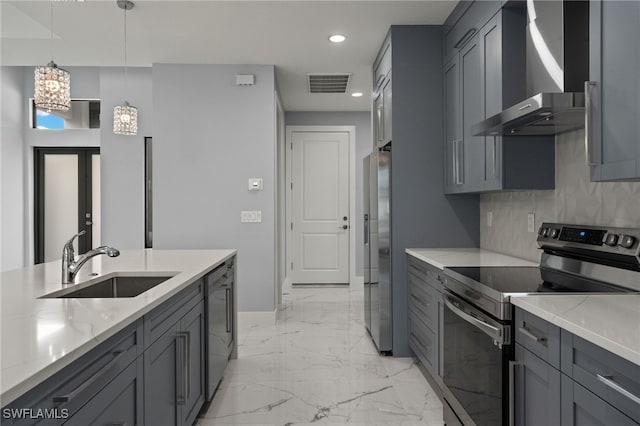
pixel 69 244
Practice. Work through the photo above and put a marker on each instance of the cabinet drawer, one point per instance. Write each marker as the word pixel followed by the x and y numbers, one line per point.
pixel 610 377
pixel 582 407
pixel 166 315
pixel 428 273
pixel 539 336
pixel 423 341
pixel 469 24
pixel 75 385
pixel 423 299
pixel 383 65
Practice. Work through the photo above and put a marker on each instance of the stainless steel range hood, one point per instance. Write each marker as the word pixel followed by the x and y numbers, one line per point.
pixel 557 52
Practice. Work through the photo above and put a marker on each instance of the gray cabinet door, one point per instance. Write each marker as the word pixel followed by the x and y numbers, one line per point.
pixel 491 44
pixel 386 110
pixel 217 333
pixel 161 380
pixel 580 407
pixel 537 390
pixel 452 125
pixel 119 403
pixel 192 327
pixel 471 90
pixel 614 128
pixel 378 119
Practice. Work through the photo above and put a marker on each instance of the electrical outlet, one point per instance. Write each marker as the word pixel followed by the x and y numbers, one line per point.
pixel 531 222
pixel 489 219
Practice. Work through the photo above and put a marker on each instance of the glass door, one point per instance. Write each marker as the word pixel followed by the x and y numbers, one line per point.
pixel 67 200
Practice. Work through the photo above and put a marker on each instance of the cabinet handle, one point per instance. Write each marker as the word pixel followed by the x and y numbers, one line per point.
pixel 228 309
pixel 470 32
pixel 495 158
pixel 608 380
pixel 587 122
pixel 522 108
pixel 460 152
pixel 532 336
pixel 455 161
pixel 104 371
pixel 512 398
pixel 185 338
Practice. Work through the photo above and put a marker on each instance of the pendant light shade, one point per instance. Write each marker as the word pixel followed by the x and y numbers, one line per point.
pixel 125 119
pixel 52 88
pixel 52 85
pixel 125 116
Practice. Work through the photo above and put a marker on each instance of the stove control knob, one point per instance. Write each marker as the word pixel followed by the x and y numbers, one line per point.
pixel 553 233
pixel 627 241
pixel 543 232
pixel 611 240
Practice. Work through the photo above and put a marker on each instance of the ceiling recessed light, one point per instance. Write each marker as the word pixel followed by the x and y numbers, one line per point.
pixel 337 38
pixel 356 94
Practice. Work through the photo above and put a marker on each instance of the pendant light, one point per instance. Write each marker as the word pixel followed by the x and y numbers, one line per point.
pixel 52 85
pixel 125 116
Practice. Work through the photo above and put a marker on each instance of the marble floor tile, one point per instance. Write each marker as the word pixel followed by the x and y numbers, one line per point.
pixel 318 365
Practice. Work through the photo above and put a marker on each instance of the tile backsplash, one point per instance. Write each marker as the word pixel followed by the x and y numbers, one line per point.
pixel 575 200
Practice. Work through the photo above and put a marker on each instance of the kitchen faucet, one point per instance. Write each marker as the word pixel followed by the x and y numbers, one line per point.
pixel 70 265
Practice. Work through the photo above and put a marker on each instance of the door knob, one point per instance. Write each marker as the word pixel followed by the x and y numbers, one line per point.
pixel 344 218
pixel 345 227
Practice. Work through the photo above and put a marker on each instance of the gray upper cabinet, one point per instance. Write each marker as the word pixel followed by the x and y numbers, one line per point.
pixel 488 60
pixel 382 104
pixel 613 97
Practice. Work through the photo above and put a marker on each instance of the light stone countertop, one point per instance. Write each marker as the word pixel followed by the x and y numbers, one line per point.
pixel 449 257
pixel 609 321
pixel 42 336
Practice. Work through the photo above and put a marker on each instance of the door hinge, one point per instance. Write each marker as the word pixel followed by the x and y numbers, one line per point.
pixel 292 226
pixel 291 146
pixel 292 266
pixel 292 186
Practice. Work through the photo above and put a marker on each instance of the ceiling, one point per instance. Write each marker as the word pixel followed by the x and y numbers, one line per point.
pixel 292 35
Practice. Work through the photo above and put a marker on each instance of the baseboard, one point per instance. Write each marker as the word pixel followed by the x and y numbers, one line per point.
pixel 246 319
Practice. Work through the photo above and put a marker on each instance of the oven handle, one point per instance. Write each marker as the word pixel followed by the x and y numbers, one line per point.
pixel 488 329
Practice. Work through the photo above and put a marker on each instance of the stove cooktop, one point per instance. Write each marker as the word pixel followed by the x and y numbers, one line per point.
pixel 528 279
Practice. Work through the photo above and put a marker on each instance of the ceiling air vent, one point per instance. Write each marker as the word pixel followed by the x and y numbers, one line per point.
pixel 328 83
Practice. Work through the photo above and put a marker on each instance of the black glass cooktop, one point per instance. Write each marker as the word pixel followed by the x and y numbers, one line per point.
pixel 524 279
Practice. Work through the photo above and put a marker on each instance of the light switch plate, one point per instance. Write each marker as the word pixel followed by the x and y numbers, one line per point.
pixel 251 216
pixel 489 219
pixel 531 222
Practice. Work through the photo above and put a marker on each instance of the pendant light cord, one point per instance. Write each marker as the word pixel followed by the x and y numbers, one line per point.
pixel 51 33
pixel 125 51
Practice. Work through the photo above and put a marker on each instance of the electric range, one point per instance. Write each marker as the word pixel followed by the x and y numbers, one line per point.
pixel 477 341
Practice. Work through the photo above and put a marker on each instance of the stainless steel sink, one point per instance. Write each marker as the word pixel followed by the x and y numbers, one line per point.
pixel 113 287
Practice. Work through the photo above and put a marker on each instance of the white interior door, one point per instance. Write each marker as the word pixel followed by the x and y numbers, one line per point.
pixel 319 208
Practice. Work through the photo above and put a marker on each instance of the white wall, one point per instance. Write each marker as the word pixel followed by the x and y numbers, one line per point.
pixel 364 144
pixel 12 218
pixel 122 157
pixel 210 136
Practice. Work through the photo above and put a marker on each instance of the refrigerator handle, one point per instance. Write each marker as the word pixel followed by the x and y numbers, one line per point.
pixel 366 229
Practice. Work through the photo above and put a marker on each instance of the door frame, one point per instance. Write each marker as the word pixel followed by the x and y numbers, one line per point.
pixel 351 130
pixel 84 189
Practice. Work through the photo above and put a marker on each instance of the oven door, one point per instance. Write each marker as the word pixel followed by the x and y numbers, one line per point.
pixel 476 355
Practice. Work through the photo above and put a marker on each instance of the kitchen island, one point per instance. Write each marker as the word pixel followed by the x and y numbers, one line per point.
pixel 42 336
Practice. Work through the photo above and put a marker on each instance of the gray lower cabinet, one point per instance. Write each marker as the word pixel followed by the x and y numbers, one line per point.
pixel 613 107
pixel 425 315
pixel 537 390
pixel 589 386
pixel 174 371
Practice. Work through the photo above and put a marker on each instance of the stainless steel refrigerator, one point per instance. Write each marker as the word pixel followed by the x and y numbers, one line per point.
pixel 377 247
